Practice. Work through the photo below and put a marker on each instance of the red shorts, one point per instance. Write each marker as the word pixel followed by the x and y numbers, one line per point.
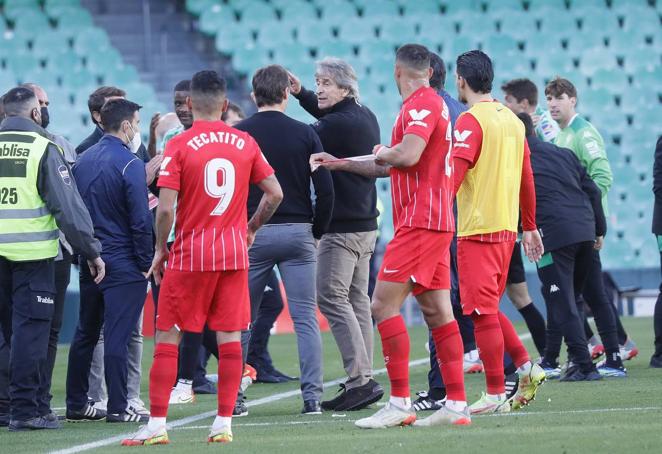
pixel 483 272
pixel 418 255
pixel 188 300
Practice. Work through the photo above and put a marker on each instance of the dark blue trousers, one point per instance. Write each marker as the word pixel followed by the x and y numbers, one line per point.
pixel 117 309
pixel 27 300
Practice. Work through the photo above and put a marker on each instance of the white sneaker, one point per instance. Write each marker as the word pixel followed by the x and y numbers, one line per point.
pixel 146 437
pixel 388 416
pixel 445 416
pixel 472 363
pixel 137 406
pixel 487 404
pixel 629 350
pixel 181 395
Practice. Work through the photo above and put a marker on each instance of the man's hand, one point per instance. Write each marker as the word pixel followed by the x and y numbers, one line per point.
pixel 535 119
pixel 295 83
pixel 532 243
pixel 321 159
pixel 599 242
pixel 158 265
pixel 153 124
pixel 152 168
pixel 97 269
pixel 375 150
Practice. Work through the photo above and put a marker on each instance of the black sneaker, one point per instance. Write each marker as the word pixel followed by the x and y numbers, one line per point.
pixel 126 417
pixel 38 423
pixel 362 396
pixel 52 416
pixel 240 408
pixel 511 382
pixel 656 361
pixel 311 407
pixel 286 377
pixel 329 405
pixel 87 413
pixel 574 374
pixel 426 403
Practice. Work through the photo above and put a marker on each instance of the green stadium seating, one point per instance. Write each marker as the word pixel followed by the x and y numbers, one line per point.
pixel 215 18
pixel 337 9
pixel 358 31
pixel 593 19
pixel 298 11
pixel 643 59
pixel 256 12
pixel 338 49
pixel 595 59
pixel 274 34
pixel 581 4
pixel 233 36
pixel 613 80
pixel 501 47
pixel 478 27
pixel 314 32
pixel 518 25
pixel 452 7
pixel 377 8
pixel 398 31
pixel 554 23
pixel 505 6
pixel 558 5
pixel 421 8
pixel 197 7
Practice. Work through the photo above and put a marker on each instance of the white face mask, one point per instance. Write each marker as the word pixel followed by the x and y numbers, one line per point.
pixel 135 142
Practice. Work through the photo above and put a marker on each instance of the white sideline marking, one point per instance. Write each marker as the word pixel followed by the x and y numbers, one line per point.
pixel 212 413
pixel 500 415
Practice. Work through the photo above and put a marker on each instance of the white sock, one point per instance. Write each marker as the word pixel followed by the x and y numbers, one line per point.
pixel 456 405
pixel 185 385
pixel 400 402
pixel 498 397
pixel 221 422
pixel 525 368
pixel 155 423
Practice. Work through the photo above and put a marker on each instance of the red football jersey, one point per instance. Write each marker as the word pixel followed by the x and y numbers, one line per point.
pixel 422 195
pixel 211 166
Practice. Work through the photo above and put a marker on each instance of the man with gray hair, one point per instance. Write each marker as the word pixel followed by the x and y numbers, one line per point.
pixel 346 129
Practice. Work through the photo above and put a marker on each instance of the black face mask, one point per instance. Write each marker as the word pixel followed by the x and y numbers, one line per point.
pixel 45 118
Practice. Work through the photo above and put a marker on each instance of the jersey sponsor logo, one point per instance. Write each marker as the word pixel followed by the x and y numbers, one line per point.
pixel 163 172
pixel 223 137
pixel 387 271
pixel 592 148
pixel 418 117
pixel 554 288
pixel 460 137
pixel 14 151
pixel 45 299
pixel 64 174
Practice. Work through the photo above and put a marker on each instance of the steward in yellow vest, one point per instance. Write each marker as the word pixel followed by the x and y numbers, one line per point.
pixel 38 198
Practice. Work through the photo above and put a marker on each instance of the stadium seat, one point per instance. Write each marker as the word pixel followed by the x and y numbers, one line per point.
pixel 539 43
pixel 31 20
pixel 519 25
pixel 398 31
pixel 335 10
pixel 555 23
pixel 421 8
pixel 552 64
pixel 196 7
pixel 649 78
pixel 247 60
pixel 22 63
pixel 626 5
pixel 291 52
pixel 458 45
pixel 643 59
pixel 357 31
pixel 215 18
pixel 501 47
pixel 479 27
pixel 275 34
pixel 596 58
pixel 7 80
pixel 452 7
pixel 581 4
pixel 592 19
pixel 231 37
pixel 613 80
pixel 314 32
pixel 338 49
pixel 298 11
pixel 557 5
pixel 379 8
pixel 256 12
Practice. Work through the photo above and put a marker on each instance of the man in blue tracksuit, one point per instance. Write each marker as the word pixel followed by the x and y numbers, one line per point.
pixel 112 183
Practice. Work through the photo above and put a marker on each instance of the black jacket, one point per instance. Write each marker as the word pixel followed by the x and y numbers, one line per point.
pixel 657 189
pixel 58 189
pixel 347 129
pixel 287 144
pixel 568 203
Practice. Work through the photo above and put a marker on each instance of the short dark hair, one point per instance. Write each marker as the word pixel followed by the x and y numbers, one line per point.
pixel 528 123
pixel 183 85
pixel 522 89
pixel 232 107
pixel 558 86
pixel 414 56
pixel 476 68
pixel 269 85
pixel 438 79
pixel 115 111
pixel 16 102
pixel 207 91
pixel 98 97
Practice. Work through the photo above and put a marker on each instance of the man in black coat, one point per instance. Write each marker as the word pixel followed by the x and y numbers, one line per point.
pixel 656 359
pixel 564 191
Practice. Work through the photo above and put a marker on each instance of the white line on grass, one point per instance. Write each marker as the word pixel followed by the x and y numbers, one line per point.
pixel 209 414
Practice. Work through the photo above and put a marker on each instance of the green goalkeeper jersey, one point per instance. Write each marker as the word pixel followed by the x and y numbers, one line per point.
pixel 166 138
pixel 586 142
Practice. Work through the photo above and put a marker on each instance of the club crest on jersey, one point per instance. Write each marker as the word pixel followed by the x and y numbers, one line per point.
pixel 417 117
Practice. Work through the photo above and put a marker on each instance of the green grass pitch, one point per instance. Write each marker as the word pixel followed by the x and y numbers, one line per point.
pixel 612 416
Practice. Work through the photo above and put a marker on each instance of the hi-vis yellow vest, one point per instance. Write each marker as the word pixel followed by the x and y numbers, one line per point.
pixel 27 228
pixel 488 200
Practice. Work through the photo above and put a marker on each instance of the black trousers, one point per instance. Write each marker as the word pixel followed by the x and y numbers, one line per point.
pixel 62 278
pixel 657 319
pixel 270 308
pixel 594 294
pixel 27 300
pixel 117 309
pixel 561 279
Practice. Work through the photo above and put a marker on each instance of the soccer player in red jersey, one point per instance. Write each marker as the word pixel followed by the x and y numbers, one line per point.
pixel 417 259
pixel 493 180
pixel 208 169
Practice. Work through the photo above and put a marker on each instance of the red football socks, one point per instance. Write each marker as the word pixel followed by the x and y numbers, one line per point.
pixel 230 369
pixel 395 346
pixel 489 340
pixel 450 350
pixel 512 342
pixel 161 377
